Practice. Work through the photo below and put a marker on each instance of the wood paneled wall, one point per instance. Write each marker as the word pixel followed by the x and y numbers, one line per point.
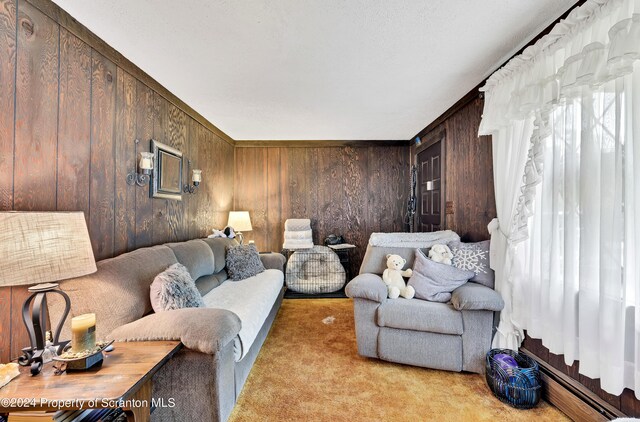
pixel 469 192
pixel 352 191
pixel 69 117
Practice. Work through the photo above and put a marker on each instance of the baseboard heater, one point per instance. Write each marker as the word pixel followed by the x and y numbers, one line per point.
pixel 571 397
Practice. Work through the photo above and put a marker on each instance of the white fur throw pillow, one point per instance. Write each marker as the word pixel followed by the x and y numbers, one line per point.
pixel 175 289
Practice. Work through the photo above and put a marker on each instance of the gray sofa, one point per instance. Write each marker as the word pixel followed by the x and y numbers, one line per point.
pixel 451 336
pixel 206 376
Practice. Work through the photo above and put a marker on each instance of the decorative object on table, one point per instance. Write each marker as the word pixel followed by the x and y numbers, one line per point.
pixel 434 281
pixel 441 253
pixel 174 288
pixel 333 239
pixel 83 332
pixel 8 371
pixel 80 360
pixel 243 261
pixel 298 234
pixel 519 385
pixel 474 257
pixel 142 174
pixel 315 271
pixel 393 278
pixel 41 247
pixel 196 178
pixel 167 172
pixel 229 232
pixel 240 222
pixel 216 233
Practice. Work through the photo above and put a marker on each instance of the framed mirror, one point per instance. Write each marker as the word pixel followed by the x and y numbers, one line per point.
pixel 167 172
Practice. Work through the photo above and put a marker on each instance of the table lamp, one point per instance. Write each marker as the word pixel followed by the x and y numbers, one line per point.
pixel 43 247
pixel 240 222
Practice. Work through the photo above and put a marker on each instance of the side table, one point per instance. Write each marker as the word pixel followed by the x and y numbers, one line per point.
pixel 124 380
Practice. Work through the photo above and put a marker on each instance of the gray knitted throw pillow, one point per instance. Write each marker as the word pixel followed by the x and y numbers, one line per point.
pixel 243 261
pixel 175 289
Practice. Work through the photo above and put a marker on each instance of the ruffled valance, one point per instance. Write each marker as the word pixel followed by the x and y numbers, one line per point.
pixel 598 42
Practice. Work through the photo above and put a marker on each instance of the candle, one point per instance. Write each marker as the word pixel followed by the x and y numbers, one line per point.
pixel 83 332
pixel 197 176
pixel 146 162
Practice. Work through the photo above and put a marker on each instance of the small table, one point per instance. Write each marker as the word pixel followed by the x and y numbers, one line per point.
pixel 344 253
pixel 125 375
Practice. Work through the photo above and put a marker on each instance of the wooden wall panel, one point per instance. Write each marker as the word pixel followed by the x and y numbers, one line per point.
pixel 275 221
pixel 5 324
pixel 102 188
pixel 333 186
pixel 145 116
pixel 74 124
pixel 191 201
pixel 161 230
pixel 177 138
pixel 356 201
pixel 36 119
pixel 7 100
pixel 469 174
pixel 330 193
pixel 222 168
pixel 125 162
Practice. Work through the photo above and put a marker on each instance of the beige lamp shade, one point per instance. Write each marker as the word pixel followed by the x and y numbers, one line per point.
pixel 40 247
pixel 240 221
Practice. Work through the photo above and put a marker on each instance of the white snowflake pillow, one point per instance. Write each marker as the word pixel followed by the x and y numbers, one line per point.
pixel 473 257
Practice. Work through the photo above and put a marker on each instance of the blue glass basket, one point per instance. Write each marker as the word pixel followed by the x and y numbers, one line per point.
pixel 519 387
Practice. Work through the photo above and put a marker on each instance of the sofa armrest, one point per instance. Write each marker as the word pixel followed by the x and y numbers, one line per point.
pixel 474 297
pixel 200 329
pixel 273 261
pixel 367 286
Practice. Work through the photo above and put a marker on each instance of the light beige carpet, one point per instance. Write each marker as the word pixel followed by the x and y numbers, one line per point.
pixel 309 370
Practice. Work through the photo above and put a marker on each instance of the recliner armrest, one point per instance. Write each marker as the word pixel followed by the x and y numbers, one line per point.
pixel 204 330
pixel 475 297
pixel 367 286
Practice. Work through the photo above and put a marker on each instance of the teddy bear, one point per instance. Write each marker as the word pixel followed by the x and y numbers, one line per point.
pixel 441 253
pixel 392 277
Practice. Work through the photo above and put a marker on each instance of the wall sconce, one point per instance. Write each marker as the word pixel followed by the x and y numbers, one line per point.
pixel 145 166
pixel 196 178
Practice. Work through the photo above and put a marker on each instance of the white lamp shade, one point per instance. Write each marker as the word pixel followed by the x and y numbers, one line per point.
pixel 240 221
pixel 40 247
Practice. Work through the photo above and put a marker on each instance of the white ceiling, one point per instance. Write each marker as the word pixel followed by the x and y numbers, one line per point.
pixel 317 69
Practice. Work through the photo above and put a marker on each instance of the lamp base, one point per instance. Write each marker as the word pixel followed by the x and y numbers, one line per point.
pixel 34 316
pixel 240 237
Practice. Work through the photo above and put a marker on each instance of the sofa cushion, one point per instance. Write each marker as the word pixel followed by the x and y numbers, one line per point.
pixel 118 293
pixel 435 281
pixel 219 247
pixel 251 299
pixel 420 315
pixel 243 262
pixel 196 255
pixel 206 283
pixel 174 289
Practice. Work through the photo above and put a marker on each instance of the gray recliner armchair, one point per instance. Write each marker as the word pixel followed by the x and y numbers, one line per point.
pixel 451 336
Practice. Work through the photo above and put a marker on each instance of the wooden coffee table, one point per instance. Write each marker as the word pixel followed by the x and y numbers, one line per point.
pixel 125 376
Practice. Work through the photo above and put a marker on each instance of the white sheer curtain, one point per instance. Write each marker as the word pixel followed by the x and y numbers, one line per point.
pixel 571 265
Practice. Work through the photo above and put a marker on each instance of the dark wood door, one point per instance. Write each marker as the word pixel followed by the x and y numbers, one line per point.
pixel 430 186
